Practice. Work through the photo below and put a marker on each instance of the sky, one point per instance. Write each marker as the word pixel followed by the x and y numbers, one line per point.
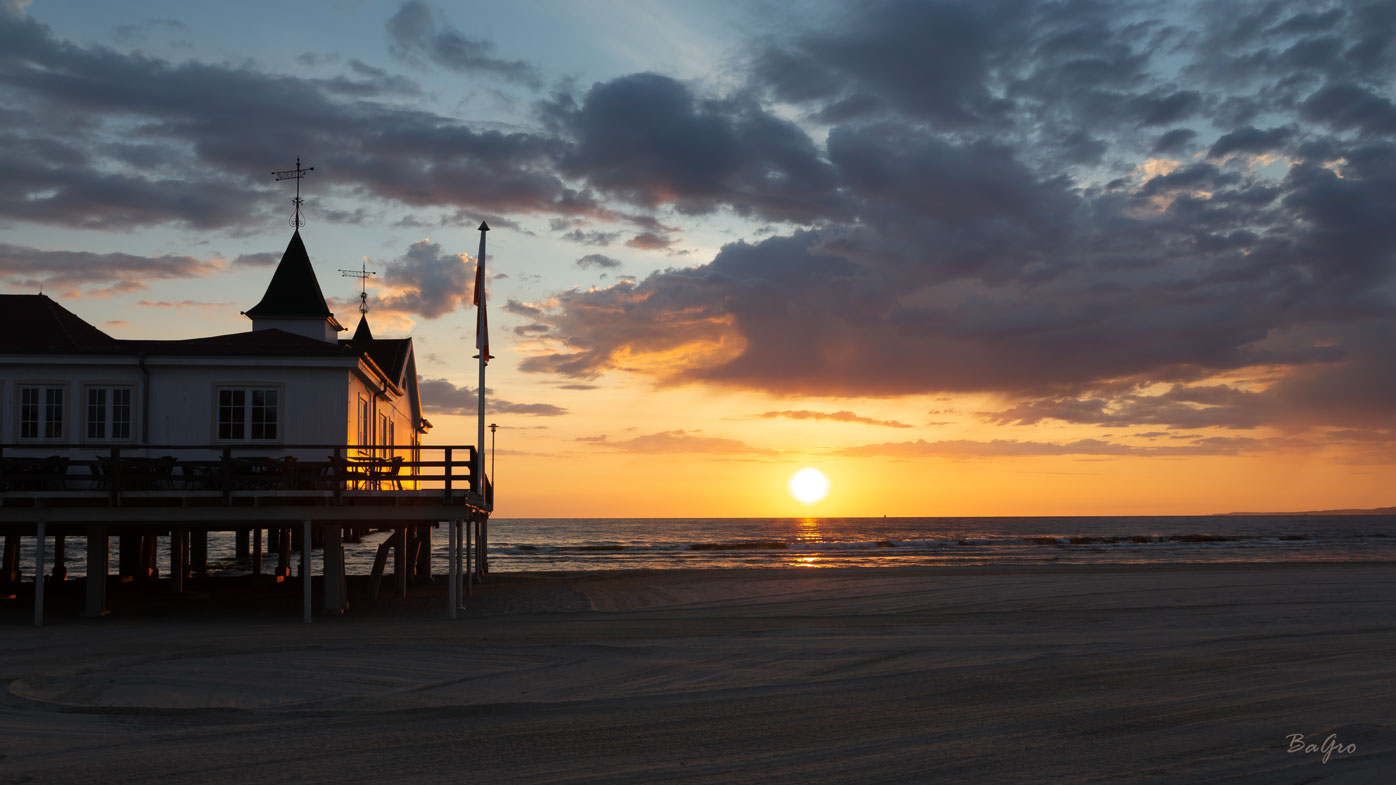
pixel 989 258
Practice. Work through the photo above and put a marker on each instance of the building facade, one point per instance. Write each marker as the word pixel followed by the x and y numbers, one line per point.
pixel 290 380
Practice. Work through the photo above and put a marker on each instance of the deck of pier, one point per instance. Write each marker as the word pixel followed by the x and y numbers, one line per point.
pixel 175 495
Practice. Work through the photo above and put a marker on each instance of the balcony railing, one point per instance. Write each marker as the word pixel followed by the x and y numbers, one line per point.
pixel 335 470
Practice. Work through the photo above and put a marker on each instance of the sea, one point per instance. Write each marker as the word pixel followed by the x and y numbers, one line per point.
pixel 591 544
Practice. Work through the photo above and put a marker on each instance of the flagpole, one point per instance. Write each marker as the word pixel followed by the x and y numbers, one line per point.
pixel 482 342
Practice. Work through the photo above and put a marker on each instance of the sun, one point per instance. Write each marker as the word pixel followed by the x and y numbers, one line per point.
pixel 809 485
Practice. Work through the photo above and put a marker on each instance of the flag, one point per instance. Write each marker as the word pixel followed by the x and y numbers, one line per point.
pixel 482 327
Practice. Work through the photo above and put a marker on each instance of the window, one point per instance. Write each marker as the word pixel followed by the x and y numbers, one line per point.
pixel 41 412
pixel 108 412
pixel 383 432
pixel 365 433
pixel 248 413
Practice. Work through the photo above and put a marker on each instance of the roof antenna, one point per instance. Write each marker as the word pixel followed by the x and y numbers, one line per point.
pixel 363 274
pixel 295 174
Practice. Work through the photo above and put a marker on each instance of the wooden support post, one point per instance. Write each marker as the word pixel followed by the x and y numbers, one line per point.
pixel 9 570
pixel 128 560
pixel 149 570
pixel 241 545
pixel 60 557
pixel 98 560
pixel 400 561
pixel 333 555
pixel 283 551
pixel 421 572
pixel 469 526
pixel 305 569
pixel 257 551
pixel 177 560
pixel 39 574
pixel 198 551
pixel 483 540
pixel 453 603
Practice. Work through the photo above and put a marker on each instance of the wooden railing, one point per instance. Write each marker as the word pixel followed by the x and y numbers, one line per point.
pixel 230 470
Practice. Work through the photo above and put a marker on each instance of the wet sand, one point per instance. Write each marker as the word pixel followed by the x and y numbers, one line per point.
pixel 1147 675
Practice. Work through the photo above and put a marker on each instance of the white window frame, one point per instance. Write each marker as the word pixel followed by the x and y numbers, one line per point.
pixel 363 435
pixel 249 392
pixel 108 412
pixel 42 420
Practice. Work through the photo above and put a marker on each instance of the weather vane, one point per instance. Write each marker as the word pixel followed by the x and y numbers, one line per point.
pixel 363 274
pixel 295 174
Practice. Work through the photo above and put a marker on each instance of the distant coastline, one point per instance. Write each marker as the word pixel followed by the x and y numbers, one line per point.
pixel 1372 511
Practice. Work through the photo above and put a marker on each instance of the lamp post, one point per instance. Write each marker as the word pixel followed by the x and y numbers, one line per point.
pixel 493 428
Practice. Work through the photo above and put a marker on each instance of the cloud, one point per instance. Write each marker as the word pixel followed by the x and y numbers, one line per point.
pixel 678 441
pixel 1182 406
pixel 594 237
pixel 840 416
pixel 523 309
pixel 183 304
pixel 260 259
pixel 649 140
pixel 65 271
pixel 427 281
pixel 69 153
pixel 649 241
pixel 953 243
pixel 139 30
pixel 1057 204
pixel 598 261
pixel 1012 448
pixel 418 33
pixel 440 396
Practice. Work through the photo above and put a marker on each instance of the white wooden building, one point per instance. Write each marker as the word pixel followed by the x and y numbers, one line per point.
pixel 283 426
pixel 290 379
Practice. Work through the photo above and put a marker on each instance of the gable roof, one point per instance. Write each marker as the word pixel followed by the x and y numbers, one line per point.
pixel 389 354
pixel 294 291
pixel 257 343
pixel 35 323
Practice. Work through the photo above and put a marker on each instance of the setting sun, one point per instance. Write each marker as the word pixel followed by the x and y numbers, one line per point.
pixel 809 485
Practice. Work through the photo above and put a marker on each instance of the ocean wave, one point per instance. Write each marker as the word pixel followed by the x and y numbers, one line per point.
pixel 906 546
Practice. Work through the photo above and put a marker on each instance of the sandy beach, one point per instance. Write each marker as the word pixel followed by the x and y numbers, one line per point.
pixel 1153 675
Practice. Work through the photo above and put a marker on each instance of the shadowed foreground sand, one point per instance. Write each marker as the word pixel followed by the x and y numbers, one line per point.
pixel 1158 675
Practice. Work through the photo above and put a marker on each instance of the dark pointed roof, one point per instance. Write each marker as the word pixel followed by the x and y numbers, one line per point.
pixel 35 323
pixel 362 333
pixel 294 292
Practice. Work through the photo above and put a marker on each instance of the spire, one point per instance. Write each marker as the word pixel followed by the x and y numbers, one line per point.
pixel 293 301
pixel 362 333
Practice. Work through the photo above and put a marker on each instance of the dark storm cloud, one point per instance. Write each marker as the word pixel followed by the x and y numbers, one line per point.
pixel 440 396
pixel 958 251
pixel 208 134
pixel 648 139
pixel 928 60
pixel 1175 141
pixel 1250 140
pixel 418 33
pixel 966 203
